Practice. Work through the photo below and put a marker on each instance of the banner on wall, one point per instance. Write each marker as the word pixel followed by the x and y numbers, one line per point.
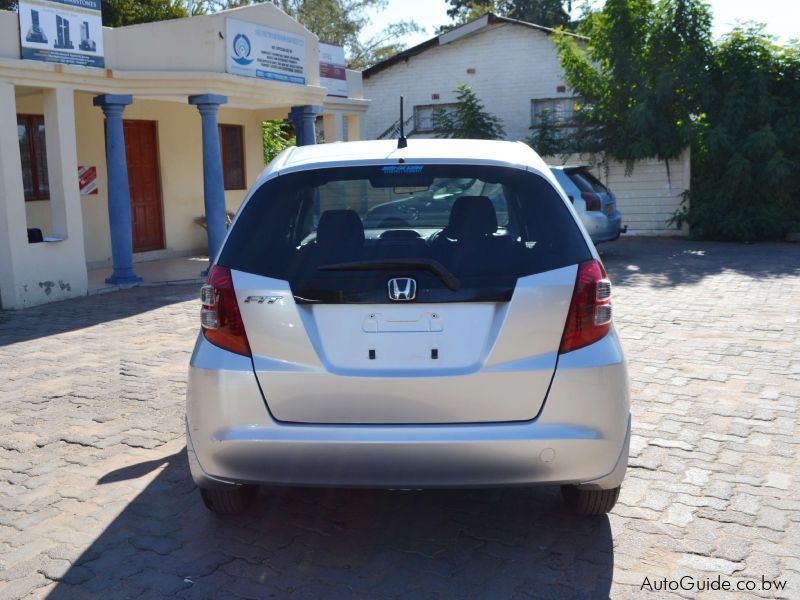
pixel 332 70
pixel 258 51
pixel 87 180
pixel 62 31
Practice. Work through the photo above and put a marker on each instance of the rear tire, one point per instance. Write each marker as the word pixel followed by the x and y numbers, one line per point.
pixel 586 502
pixel 232 500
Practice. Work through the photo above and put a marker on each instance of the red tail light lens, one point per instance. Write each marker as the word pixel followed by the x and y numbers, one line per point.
pixel 589 317
pixel 592 201
pixel 220 317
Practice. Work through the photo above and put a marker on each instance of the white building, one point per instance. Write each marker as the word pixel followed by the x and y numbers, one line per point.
pixel 167 130
pixel 514 69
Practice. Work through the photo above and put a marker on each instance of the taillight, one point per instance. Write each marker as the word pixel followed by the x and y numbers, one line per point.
pixel 589 317
pixel 220 317
pixel 592 201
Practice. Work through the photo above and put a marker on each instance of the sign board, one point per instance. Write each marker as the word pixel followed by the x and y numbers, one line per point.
pixel 332 73
pixel 258 51
pixel 87 179
pixel 62 31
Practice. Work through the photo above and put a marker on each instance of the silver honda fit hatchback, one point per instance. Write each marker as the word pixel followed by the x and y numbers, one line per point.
pixel 407 317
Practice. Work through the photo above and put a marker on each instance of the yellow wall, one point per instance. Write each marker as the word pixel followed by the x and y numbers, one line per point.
pixel 181 162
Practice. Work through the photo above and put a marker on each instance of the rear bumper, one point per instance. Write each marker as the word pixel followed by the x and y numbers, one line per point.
pixel 580 437
pixel 602 227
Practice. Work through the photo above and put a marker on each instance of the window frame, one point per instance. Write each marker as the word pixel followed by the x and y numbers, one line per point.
pixel 434 107
pixel 536 122
pixel 227 184
pixel 31 124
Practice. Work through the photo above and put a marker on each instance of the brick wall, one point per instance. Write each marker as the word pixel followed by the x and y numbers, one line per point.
pixel 648 196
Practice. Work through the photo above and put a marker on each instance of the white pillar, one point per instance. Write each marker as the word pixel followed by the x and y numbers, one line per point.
pixel 33 274
pixel 62 164
pixel 332 126
pixel 353 128
pixel 13 223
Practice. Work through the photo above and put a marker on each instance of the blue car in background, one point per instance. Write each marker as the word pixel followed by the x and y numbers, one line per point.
pixel 595 204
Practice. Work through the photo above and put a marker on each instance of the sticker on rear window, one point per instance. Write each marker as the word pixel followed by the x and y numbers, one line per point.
pixel 402 169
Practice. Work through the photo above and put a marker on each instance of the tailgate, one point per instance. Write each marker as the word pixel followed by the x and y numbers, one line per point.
pixel 459 362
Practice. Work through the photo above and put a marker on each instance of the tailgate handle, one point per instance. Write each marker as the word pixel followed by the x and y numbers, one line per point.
pixel 380 323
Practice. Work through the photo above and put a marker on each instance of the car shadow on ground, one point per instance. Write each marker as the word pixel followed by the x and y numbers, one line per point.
pixel 315 543
pixel 79 313
pixel 669 262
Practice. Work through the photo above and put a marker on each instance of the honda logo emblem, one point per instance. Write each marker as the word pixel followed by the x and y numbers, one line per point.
pixel 402 289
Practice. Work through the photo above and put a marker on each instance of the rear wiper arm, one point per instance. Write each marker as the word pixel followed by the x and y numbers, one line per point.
pixel 434 266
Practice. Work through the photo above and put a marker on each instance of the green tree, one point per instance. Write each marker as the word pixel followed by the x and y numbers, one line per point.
pixel 277 137
pixel 549 13
pixel 642 76
pixel 467 119
pixel 548 139
pixel 746 159
pixel 117 13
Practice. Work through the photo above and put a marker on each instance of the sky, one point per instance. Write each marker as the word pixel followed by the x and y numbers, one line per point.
pixel 781 16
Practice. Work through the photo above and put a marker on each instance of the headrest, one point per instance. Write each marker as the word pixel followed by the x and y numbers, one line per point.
pixel 340 227
pixel 393 222
pixel 400 234
pixel 472 216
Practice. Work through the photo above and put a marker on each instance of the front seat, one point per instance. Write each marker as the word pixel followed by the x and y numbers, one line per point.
pixel 471 217
pixel 468 244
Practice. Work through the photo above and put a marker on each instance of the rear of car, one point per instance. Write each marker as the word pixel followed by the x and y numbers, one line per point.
pixel 595 204
pixel 407 318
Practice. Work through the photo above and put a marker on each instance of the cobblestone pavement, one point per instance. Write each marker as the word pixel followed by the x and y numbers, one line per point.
pixel 96 499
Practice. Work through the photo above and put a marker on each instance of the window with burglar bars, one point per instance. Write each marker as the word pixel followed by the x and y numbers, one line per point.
pixel 424 116
pixel 559 111
pixel 232 145
pixel 33 153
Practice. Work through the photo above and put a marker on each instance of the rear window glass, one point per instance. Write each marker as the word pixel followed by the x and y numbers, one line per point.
pixel 338 234
pixel 586 182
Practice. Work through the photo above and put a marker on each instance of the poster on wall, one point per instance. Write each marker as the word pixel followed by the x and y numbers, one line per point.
pixel 63 31
pixel 87 180
pixel 258 51
pixel 332 73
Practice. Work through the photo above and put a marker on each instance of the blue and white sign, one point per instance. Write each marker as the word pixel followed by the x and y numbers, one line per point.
pixel 257 51
pixel 62 31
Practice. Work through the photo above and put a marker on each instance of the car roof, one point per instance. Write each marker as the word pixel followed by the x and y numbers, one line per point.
pixel 426 151
pixel 568 167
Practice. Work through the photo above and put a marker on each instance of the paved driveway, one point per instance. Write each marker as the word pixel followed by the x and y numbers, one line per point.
pixel 96 499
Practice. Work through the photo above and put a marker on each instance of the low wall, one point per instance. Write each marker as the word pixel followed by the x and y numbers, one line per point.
pixel 648 196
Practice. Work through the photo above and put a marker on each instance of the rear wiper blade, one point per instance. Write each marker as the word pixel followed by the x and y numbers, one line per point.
pixel 434 266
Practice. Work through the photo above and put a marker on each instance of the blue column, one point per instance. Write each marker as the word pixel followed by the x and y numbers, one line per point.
pixel 303 118
pixel 119 195
pixel 213 184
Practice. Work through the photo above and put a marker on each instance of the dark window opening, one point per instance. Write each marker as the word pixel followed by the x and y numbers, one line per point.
pixel 33 153
pixel 585 181
pixel 231 139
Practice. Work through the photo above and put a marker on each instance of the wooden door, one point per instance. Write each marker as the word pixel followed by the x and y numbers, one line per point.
pixel 144 181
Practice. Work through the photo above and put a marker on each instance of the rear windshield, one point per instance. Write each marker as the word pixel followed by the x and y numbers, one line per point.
pixel 339 235
pixel 586 182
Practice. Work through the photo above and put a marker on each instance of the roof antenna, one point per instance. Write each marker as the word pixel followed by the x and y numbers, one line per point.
pixel 402 142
